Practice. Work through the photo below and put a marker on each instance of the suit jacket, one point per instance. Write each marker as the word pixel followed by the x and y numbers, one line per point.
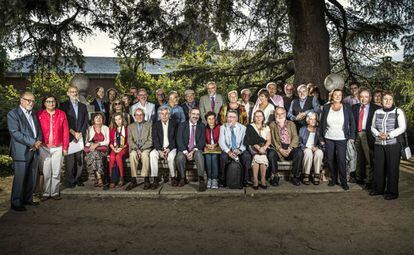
pixel 274 132
pixel 146 136
pixel 183 136
pixel 79 124
pixel 22 137
pixel 372 109
pixel 158 134
pixel 349 122
pixel 205 105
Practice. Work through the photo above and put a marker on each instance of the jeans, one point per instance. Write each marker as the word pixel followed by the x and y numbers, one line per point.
pixel 212 164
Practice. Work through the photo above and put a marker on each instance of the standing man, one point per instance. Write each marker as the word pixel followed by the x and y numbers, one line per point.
pixel 139 144
pixel 289 90
pixel 275 99
pixel 285 140
pixel 189 103
pixel 211 102
pixel 231 141
pixel 99 104
pixel 191 139
pixel 26 137
pixel 160 97
pixel 302 106
pixel 364 142
pixel 78 118
pixel 147 107
pixel 163 139
pixel 133 91
pixel 353 97
pixel 245 101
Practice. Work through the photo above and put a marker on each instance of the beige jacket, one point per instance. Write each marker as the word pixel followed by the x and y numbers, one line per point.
pixel 133 136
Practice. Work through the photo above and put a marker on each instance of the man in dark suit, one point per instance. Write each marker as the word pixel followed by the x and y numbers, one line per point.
pixel 26 137
pixel 99 104
pixel 163 140
pixel 191 139
pixel 77 116
pixel 364 143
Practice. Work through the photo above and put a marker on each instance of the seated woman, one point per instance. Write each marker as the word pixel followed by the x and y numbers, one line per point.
pixel 312 144
pixel 264 105
pixel 233 104
pixel 212 150
pixel 118 107
pixel 258 139
pixel 118 135
pixel 96 147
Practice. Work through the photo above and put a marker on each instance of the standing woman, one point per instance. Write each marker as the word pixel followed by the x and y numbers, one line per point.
pixel 233 104
pixel 96 147
pixel 212 150
pixel 258 139
pixel 118 137
pixel 337 127
pixel 264 105
pixel 55 128
pixel 387 124
pixel 118 107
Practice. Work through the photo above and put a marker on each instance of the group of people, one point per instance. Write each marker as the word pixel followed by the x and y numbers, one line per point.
pixel 212 132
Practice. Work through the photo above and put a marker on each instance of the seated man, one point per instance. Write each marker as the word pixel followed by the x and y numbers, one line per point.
pixel 302 106
pixel 140 143
pixel 285 140
pixel 231 141
pixel 191 139
pixel 163 139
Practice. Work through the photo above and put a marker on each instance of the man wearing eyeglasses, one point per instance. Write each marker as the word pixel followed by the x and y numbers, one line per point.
pixel 147 107
pixel 26 136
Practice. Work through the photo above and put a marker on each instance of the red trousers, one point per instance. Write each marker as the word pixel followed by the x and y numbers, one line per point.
pixel 118 159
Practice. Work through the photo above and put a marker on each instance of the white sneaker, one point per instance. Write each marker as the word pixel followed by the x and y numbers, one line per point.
pixel 209 182
pixel 214 184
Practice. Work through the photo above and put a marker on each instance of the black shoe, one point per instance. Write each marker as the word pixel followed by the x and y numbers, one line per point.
pixel 274 181
pixel 80 183
pixel 374 193
pixel 132 184
pixel 368 186
pixel 331 183
pixel 70 185
pixel 345 186
pixel 31 203
pixel 147 184
pixel 201 184
pixel 263 186
pixel 18 208
pixel 390 197
pixel 222 184
pixel 106 187
pixel 295 181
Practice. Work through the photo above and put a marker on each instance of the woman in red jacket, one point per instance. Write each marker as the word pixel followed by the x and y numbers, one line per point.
pixel 118 142
pixel 55 128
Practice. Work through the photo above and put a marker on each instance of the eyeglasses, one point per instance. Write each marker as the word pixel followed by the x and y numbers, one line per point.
pixel 50 101
pixel 117 103
pixel 28 100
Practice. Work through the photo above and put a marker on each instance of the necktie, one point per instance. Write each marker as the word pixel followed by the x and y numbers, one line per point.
pixel 213 104
pixel 233 139
pixel 192 139
pixel 31 122
pixel 361 118
pixel 211 136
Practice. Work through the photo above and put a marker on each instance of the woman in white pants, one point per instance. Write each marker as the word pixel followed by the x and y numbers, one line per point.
pixel 55 128
pixel 312 144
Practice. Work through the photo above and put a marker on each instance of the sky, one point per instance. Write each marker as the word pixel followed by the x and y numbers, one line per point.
pixel 101 45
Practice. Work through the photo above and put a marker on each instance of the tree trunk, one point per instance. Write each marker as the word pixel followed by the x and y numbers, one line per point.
pixel 310 40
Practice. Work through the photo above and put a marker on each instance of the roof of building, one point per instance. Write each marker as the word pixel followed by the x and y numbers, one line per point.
pixel 95 66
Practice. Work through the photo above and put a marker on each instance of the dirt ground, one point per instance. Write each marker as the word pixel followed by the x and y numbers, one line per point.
pixel 330 223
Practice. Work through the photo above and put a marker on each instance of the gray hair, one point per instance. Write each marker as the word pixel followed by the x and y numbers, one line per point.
pixel 310 114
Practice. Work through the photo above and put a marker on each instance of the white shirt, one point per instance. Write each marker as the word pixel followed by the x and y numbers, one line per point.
pixel 310 143
pixel 269 110
pixel 165 142
pixel 335 122
pixel 148 108
pixel 29 118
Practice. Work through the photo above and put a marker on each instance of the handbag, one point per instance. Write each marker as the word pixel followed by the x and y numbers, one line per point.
pixel 403 138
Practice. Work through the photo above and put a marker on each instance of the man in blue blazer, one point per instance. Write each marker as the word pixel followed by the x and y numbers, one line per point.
pixel 26 137
pixel 77 115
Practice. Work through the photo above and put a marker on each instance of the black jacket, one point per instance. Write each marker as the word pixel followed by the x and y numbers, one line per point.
pixel 158 136
pixel 79 124
pixel 372 108
pixel 349 122
pixel 183 136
